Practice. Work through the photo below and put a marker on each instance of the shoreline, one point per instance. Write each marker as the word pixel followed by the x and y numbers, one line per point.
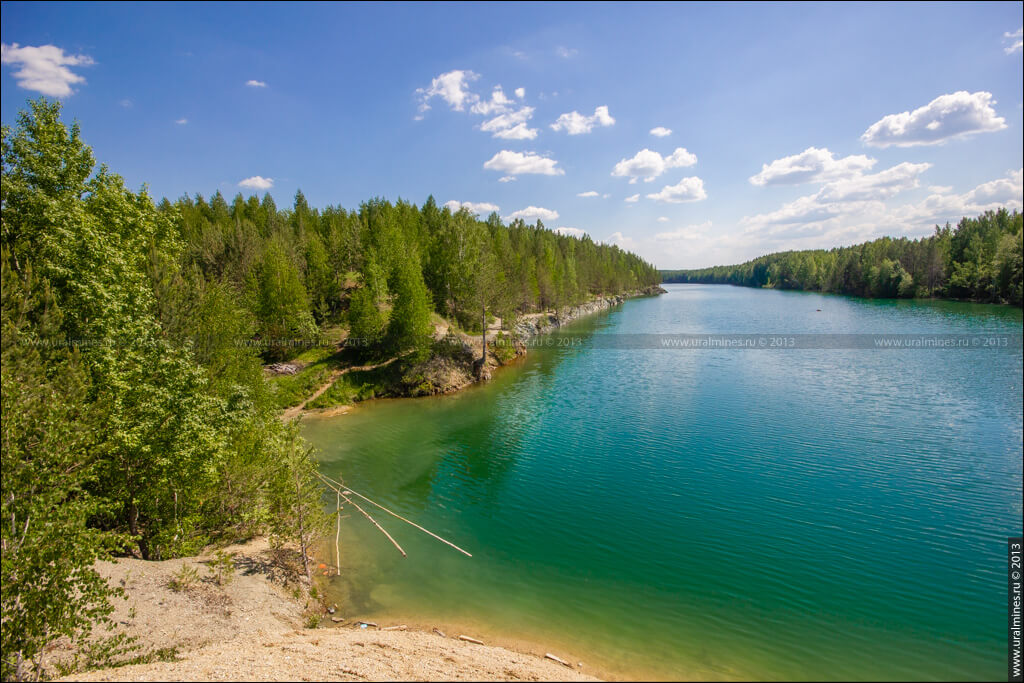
pixel 447 379
pixel 257 627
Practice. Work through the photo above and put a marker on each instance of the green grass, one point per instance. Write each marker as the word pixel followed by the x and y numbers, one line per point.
pixel 361 385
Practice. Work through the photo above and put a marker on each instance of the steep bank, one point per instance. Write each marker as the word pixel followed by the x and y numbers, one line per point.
pixel 454 361
pixel 251 628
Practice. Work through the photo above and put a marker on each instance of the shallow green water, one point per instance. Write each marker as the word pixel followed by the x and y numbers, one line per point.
pixel 709 513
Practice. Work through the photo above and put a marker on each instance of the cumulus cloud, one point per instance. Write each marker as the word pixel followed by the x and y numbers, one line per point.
pixel 518 163
pixel 588 193
pixel 44 69
pixel 511 125
pixel 649 165
pixel 575 123
pixel 663 219
pixel 661 132
pixel 690 232
pixel 632 199
pixel 854 194
pixel 256 84
pixel 571 232
pixel 623 241
pixel 686 190
pixel 812 165
pixel 257 182
pixel 506 179
pixel 944 206
pixel 874 186
pixel 946 117
pixel 452 87
pixel 520 93
pixel 498 104
pixel 1016 41
pixel 473 207
pixel 533 212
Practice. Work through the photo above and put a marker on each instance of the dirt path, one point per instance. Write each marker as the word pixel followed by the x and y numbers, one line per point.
pixel 296 411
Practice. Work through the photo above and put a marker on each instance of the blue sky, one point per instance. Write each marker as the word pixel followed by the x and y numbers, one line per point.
pixel 792 125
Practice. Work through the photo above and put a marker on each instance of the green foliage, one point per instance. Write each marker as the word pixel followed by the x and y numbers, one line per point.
pixel 133 405
pixel 184 578
pixel 222 567
pixel 979 260
pixel 409 326
pixel 52 442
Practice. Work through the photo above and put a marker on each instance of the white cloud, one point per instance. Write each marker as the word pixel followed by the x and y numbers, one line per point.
pixel 181 122
pixel 1018 41
pixel 632 199
pixel 940 189
pixel 571 232
pixel 588 193
pixel 44 68
pixel 506 179
pixel 880 185
pixel 812 165
pixel 944 118
pixel 661 132
pixel 856 194
pixel 520 93
pixel 517 132
pixel 452 87
pixel 517 163
pixel 940 207
pixel 473 207
pixel 511 125
pixel 663 219
pixel 566 52
pixel 256 84
pixel 498 104
pixel 257 182
pixel 127 103
pixel 649 165
pixel 533 212
pixel 623 241
pixel 686 190
pixel 689 233
pixel 575 123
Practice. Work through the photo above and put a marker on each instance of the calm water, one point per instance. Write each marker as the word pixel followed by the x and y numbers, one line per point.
pixel 709 513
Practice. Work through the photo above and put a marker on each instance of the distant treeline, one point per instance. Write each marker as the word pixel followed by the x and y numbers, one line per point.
pixel 383 267
pixel 979 260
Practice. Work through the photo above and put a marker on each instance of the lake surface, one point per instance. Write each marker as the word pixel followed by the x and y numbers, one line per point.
pixel 708 513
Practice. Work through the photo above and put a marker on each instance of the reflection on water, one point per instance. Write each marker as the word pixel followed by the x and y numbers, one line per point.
pixel 708 513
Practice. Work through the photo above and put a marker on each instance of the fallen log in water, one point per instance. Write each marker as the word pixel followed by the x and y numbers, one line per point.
pixel 548 655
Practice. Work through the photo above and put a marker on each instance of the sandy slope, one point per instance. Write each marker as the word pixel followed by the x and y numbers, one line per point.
pixel 250 629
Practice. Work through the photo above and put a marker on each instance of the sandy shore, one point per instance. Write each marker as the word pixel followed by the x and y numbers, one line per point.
pixel 252 629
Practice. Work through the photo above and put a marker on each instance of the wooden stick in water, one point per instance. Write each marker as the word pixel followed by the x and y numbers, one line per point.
pixel 395 514
pixel 337 537
pixel 367 515
pixel 561 661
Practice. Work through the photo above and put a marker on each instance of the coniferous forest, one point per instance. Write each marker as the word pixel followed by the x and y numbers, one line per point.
pixel 136 416
pixel 978 260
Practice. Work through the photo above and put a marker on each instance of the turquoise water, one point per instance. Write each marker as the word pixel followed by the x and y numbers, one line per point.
pixel 767 514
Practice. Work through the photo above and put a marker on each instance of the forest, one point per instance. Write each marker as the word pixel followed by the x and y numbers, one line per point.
pixel 978 260
pixel 136 415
